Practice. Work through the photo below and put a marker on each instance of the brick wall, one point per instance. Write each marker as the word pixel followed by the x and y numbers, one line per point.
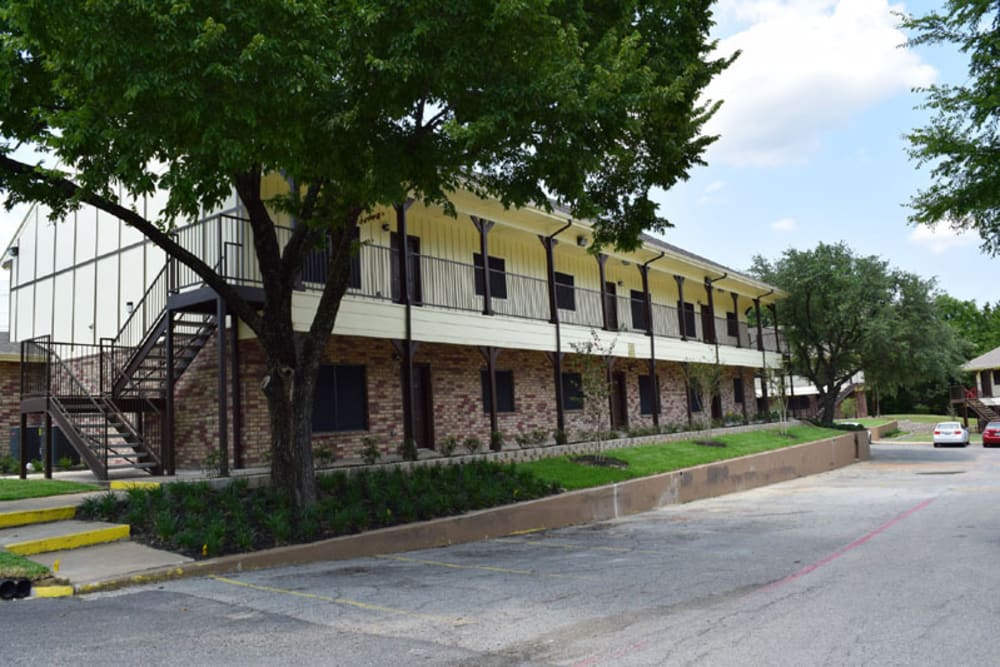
pixel 457 398
pixel 10 402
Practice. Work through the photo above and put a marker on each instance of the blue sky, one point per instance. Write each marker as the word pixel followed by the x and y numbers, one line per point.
pixel 811 145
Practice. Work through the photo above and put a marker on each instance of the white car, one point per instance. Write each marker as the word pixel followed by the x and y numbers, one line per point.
pixel 951 433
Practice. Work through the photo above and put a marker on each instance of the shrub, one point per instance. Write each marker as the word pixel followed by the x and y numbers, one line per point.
pixel 472 444
pixel 538 437
pixel 65 463
pixel 8 465
pixel 849 408
pixel 325 456
pixel 370 452
pixel 408 449
pixel 496 439
pixel 447 445
pixel 559 437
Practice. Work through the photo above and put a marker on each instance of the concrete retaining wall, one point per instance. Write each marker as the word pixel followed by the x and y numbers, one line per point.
pixel 567 509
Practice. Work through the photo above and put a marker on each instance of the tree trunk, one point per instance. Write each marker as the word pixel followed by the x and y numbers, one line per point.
pixel 829 401
pixel 291 453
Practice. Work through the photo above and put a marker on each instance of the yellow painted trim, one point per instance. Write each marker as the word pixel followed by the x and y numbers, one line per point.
pixel 72 541
pixel 122 484
pixel 51 591
pixel 25 517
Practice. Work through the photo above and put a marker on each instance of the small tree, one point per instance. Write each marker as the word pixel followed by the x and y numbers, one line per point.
pixel 778 382
pixel 595 385
pixel 706 381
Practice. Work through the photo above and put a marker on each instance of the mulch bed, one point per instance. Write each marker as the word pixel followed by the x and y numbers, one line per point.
pixel 709 443
pixel 600 461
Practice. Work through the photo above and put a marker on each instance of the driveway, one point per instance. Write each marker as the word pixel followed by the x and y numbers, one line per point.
pixel 887 562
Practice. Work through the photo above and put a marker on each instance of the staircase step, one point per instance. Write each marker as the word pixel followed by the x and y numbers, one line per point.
pixel 90 565
pixel 38 538
pixel 27 517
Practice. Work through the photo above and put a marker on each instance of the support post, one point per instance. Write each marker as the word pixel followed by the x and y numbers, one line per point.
pixel 220 322
pixel 736 313
pixel 602 259
pixel 22 447
pixel 167 451
pixel 484 226
pixel 48 447
pixel 490 356
pixel 681 314
pixel 557 358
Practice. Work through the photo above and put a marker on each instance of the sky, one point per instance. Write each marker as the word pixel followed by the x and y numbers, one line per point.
pixel 811 144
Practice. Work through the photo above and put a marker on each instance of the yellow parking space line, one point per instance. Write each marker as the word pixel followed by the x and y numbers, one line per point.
pixel 485 568
pixel 977 489
pixel 72 541
pixel 582 547
pixel 340 601
pixel 25 517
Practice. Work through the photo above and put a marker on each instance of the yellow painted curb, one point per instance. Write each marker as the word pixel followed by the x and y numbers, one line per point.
pixel 71 541
pixel 122 484
pixel 25 517
pixel 51 591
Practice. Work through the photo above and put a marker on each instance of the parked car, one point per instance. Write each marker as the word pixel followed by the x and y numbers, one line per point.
pixel 951 433
pixel 991 434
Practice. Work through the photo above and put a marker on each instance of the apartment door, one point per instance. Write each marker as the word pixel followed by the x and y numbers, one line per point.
pixel 611 303
pixel 413 267
pixel 984 381
pixel 423 407
pixel 707 325
pixel 716 407
pixel 619 401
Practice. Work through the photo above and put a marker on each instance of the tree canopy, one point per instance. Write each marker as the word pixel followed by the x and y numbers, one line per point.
pixel 979 327
pixel 359 105
pixel 847 313
pixel 962 141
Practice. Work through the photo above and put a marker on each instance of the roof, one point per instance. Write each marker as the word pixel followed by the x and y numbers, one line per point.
pixel 984 362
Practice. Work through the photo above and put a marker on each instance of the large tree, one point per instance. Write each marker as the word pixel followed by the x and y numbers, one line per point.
pixel 962 141
pixel 847 313
pixel 360 105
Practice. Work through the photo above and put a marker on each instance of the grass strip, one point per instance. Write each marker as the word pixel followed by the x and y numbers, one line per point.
pixel 654 459
pixel 12 565
pixel 18 489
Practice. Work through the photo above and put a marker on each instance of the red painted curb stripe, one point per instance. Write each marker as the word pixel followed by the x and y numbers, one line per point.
pixel 853 545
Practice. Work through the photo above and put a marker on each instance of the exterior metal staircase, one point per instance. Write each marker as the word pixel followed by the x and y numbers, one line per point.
pixel 849 389
pixel 970 399
pixel 109 399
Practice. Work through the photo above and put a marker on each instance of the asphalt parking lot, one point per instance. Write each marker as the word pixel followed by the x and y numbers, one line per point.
pixel 883 562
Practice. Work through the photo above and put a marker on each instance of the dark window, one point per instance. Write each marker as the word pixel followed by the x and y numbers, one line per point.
pixel 798 403
pixel 316 261
pixel 646 398
pixel 996 377
pixel 685 316
pixel 565 294
pixel 413 267
pixel 737 390
pixel 694 399
pixel 639 321
pixel 732 325
pixel 498 276
pixel 341 399
pixel 505 390
pixel 572 386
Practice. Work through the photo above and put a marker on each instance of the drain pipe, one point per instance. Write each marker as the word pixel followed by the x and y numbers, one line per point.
pixel 548 242
pixel 653 379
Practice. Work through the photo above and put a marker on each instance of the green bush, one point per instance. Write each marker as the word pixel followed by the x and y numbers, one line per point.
pixel 496 439
pixel 408 449
pixel 472 444
pixel 447 445
pixel 370 452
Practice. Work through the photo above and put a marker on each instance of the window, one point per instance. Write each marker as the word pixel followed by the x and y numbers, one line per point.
pixel 498 276
pixel 694 400
pixel 572 387
pixel 646 395
pixel 565 294
pixel 341 399
pixel 685 316
pixel 737 390
pixel 505 390
pixel 732 325
pixel 996 378
pixel 639 321
pixel 315 263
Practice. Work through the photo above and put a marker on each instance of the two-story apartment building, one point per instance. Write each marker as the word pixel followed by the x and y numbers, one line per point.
pixel 452 327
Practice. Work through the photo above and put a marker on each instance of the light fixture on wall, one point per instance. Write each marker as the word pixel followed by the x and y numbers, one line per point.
pixel 581 241
pixel 129 307
pixel 385 226
pixel 621 283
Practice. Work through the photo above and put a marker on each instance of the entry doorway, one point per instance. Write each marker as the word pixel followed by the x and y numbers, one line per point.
pixel 423 407
pixel 619 401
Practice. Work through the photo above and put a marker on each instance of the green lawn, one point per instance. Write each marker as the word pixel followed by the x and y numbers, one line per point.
pixel 12 566
pixel 16 489
pixel 652 459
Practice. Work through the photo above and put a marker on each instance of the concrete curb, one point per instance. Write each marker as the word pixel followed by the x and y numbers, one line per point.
pixel 566 509
pixel 76 540
pixel 26 517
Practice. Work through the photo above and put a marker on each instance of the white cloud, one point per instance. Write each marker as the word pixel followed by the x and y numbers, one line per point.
pixel 784 225
pixel 714 186
pixel 806 66
pixel 941 239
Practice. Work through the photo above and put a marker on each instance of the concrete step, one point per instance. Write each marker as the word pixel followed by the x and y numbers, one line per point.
pixel 36 538
pixel 87 566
